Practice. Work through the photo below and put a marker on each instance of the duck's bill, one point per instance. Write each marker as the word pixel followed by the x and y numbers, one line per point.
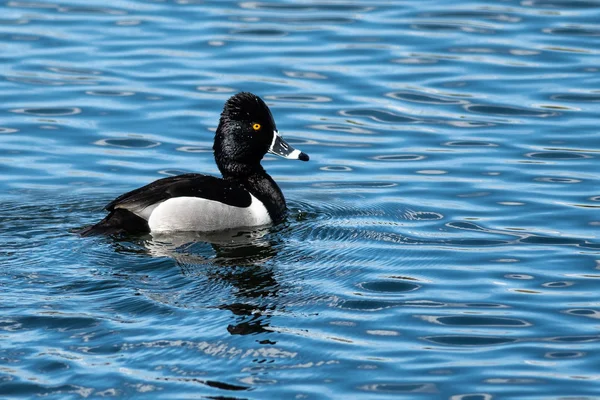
pixel 281 148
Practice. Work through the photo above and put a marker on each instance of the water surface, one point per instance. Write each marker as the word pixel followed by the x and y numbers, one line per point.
pixel 442 242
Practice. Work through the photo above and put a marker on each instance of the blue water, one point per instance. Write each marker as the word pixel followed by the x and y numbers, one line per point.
pixel 443 241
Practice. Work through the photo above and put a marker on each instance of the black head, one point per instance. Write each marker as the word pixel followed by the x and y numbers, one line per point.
pixel 246 132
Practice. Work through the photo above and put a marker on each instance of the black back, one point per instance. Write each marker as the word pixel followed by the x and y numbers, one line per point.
pixel 191 185
pixel 119 221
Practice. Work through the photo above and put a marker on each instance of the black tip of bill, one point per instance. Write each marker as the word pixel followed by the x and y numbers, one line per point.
pixel 281 148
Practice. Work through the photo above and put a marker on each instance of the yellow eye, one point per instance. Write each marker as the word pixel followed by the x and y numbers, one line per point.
pixel 256 127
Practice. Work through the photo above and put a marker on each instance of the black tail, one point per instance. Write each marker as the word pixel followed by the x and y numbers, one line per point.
pixel 118 221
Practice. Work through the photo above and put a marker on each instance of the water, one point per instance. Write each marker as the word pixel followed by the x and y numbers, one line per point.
pixel 442 241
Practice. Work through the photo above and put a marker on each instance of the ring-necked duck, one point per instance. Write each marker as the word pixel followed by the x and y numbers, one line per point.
pixel 245 196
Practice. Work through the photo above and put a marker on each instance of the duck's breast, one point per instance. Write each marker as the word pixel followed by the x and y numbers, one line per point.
pixel 198 214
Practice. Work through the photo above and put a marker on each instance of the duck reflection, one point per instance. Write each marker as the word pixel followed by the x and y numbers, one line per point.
pixel 240 257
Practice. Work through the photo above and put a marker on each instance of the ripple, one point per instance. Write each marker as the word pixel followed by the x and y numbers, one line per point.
pixel 259 32
pixel 74 71
pixel 56 321
pixel 472 396
pixel 47 112
pixel 400 388
pixel 577 97
pixel 556 107
pixel 20 38
pixel 54 79
pixel 130 22
pixel 91 10
pixel 557 284
pixel 366 305
pixel 14 21
pixel 416 60
pixel 507 111
pixel 380 332
pixel 475 14
pixel 109 93
pixel 399 157
pixel 305 7
pixel 583 312
pixel 366 184
pixel 469 124
pixel 549 179
pixel 560 4
pixel 342 128
pixel 511 381
pixel 304 74
pixel 336 168
pixel 469 340
pixel 565 354
pixel 469 143
pixel 395 286
pixel 573 31
pixel 195 149
pixel 423 216
pixel 300 98
pixel 575 339
pixel 30 4
pixel 453 27
pixel 479 321
pixel 377 115
pixel 473 194
pixel 128 143
pixel 423 98
pixel 556 155
pixel 567 49
pixel 53 367
pixel 215 89
pixel 37 81
pixel 468 226
pixel 313 20
pixel 7 130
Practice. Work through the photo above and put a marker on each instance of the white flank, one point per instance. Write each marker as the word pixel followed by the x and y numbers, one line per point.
pixel 197 214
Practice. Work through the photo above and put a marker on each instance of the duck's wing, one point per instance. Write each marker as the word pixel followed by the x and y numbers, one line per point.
pixel 129 212
pixel 187 185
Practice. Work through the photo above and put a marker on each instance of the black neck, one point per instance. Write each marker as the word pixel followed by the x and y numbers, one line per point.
pixel 262 186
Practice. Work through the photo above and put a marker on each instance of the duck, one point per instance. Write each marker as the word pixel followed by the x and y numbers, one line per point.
pixel 245 195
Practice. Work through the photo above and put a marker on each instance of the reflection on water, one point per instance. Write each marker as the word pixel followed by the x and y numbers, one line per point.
pixel 442 242
pixel 235 247
pixel 232 258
